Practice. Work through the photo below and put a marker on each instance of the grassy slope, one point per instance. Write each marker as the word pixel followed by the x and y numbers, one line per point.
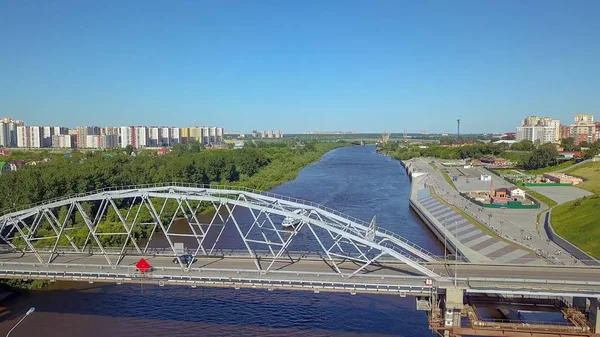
pixel 551 168
pixel 579 221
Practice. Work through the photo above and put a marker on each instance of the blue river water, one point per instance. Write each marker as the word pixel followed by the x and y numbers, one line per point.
pixel 354 180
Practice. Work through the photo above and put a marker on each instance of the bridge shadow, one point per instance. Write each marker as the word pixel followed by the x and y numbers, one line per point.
pixel 241 309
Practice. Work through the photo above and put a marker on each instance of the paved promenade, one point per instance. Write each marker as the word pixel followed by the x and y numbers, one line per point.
pixel 475 238
pixel 520 233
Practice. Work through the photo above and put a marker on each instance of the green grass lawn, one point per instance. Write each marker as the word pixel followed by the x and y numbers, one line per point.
pixel 505 172
pixel 551 168
pixel 579 220
pixel 590 171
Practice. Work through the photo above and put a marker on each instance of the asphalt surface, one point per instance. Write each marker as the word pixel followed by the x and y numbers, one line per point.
pixel 386 268
pixel 520 229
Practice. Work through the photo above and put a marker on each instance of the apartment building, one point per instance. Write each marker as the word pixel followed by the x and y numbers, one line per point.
pixel 8 131
pixel 542 130
pixel 102 141
pixel 63 141
pixel 29 136
pixel 541 134
pixel 83 132
pixel 174 134
pixel 584 129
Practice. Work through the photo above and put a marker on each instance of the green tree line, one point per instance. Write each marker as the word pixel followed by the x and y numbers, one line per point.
pixel 259 168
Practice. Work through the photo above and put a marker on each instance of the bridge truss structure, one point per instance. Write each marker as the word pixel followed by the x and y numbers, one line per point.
pixel 110 222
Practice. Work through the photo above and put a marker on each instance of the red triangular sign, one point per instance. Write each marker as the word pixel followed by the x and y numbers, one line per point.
pixel 143 265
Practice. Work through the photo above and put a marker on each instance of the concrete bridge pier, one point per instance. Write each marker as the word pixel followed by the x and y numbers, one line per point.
pixel 580 303
pixel 595 314
pixel 454 306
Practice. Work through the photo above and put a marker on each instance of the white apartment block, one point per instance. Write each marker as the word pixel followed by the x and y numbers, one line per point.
pixel 141 137
pixel 8 132
pixel 555 123
pixel 127 136
pixel 29 136
pixel 220 133
pixel 136 136
pixel 543 134
pixel 175 136
pixel 102 141
pixel 62 141
pixel 153 136
pixel 47 133
pixel 164 136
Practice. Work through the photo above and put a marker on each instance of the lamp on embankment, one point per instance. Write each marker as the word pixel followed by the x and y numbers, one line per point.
pixel 29 312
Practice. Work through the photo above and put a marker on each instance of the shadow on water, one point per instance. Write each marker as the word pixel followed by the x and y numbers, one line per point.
pixel 344 313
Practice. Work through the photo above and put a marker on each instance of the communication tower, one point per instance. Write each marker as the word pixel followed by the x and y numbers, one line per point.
pixel 458 130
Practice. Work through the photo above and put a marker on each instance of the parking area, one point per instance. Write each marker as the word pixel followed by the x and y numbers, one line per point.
pixel 561 194
pixel 469 179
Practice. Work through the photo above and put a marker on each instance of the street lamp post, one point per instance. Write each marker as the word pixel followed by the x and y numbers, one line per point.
pixel 522 230
pixel 456 256
pixel 29 312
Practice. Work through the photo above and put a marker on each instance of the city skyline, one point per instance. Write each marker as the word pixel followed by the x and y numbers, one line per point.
pixel 347 66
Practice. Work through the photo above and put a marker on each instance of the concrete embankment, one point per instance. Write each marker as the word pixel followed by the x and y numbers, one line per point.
pixel 419 187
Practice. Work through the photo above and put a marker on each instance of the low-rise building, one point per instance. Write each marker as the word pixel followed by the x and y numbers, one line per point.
pixel 4 167
pixel 494 161
pixel 16 164
pixel 517 194
pixel 562 178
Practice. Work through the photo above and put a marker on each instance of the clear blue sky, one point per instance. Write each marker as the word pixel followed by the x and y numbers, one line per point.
pixel 299 65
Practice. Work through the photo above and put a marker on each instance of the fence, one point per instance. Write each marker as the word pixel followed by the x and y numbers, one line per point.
pixel 521 183
pixel 510 205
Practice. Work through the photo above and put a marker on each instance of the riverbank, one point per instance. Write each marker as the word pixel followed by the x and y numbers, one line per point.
pixel 283 166
pixel 353 180
pixel 494 237
pixel 577 221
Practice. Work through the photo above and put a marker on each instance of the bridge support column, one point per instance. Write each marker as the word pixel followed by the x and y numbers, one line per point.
pixel 595 314
pixel 454 307
pixel 580 303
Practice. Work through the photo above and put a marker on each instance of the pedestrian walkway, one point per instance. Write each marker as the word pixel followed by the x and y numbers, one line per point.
pixel 473 237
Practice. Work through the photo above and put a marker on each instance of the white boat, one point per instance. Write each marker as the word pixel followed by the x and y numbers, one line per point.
pixel 291 221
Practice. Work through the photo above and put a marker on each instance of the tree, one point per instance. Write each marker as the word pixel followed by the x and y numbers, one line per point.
pixel 524 145
pixel 544 156
pixel 129 149
pixel 568 144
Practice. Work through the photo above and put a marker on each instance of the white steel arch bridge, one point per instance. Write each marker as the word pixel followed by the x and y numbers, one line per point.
pixel 99 236
pixel 256 216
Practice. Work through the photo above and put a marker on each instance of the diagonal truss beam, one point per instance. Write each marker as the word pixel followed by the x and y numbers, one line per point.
pixel 345 238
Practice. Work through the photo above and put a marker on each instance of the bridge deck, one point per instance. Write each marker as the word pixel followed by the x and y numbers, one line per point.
pixel 387 276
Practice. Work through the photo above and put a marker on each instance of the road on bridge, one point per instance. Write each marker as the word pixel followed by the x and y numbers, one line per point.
pixel 471 276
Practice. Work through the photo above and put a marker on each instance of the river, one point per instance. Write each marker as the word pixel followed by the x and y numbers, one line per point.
pixel 354 180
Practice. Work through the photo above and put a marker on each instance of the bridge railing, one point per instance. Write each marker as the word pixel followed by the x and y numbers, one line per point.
pixel 226 187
